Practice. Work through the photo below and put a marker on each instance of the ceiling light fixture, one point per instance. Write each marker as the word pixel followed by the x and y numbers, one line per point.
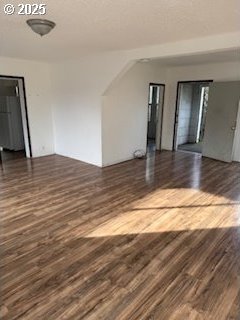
pixel 41 26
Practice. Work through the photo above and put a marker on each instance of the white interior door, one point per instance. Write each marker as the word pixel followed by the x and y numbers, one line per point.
pixel 221 120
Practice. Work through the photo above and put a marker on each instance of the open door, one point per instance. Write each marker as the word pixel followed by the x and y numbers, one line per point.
pixel 221 120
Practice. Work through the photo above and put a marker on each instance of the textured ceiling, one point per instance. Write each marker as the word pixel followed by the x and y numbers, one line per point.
pixel 90 26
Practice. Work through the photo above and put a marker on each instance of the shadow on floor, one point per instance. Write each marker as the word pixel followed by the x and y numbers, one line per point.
pixel 186 274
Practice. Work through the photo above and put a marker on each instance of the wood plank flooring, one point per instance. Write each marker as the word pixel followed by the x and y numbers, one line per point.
pixel 150 239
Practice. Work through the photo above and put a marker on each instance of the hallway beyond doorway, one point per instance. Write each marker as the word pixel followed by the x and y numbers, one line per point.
pixel 155 115
pixel 191 147
pixel 190 118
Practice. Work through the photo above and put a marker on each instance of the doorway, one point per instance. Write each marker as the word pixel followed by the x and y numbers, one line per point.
pixel 190 115
pixel 155 116
pixel 14 127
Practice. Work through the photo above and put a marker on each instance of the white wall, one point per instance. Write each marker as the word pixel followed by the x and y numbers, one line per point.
pixel 39 101
pixel 81 87
pixel 78 87
pixel 228 71
pixel 78 90
pixel 124 113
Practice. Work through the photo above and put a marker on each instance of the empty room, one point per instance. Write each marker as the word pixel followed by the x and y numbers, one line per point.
pixel 120 160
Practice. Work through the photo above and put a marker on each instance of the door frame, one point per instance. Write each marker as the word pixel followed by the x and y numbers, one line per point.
pixel 174 147
pixel 24 112
pixel 159 147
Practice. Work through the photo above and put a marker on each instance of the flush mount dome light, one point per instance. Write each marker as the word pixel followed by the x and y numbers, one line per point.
pixel 41 26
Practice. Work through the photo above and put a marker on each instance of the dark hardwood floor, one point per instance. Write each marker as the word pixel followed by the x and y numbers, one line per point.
pixel 150 239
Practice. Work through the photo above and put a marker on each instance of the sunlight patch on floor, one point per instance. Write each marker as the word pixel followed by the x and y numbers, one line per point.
pixel 164 210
